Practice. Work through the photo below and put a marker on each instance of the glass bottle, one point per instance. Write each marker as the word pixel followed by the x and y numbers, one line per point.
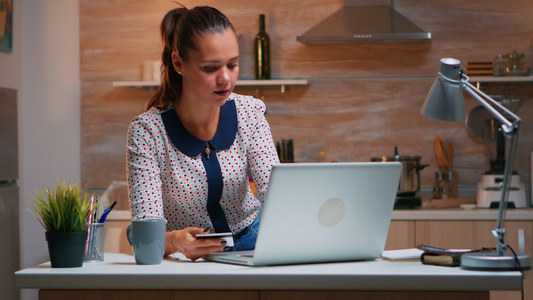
pixel 262 51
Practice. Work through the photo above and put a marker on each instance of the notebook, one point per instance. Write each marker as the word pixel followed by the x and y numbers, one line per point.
pixel 323 212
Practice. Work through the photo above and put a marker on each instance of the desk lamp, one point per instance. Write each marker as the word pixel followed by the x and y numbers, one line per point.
pixel 445 102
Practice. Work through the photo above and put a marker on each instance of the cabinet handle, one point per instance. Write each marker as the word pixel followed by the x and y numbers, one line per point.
pixel 521 241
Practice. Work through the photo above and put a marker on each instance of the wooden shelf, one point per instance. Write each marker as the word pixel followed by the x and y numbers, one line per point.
pixel 138 84
pixel 245 82
pixel 272 82
pixel 501 78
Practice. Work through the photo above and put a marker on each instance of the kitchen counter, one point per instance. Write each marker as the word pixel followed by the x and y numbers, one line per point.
pixel 449 214
pixel 456 214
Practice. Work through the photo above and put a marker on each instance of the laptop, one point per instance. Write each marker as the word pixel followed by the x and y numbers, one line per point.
pixel 322 212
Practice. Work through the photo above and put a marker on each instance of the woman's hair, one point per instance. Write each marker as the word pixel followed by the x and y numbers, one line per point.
pixel 180 30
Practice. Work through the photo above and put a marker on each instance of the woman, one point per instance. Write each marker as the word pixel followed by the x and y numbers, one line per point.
pixel 190 153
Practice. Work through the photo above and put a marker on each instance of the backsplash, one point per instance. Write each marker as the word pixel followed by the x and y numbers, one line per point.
pixel 361 101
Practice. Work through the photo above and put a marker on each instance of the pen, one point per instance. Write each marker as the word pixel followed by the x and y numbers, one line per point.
pixel 90 217
pixel 106 212
pixel 96 206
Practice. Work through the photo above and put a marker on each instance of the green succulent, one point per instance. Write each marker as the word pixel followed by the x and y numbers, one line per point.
pixel 63 209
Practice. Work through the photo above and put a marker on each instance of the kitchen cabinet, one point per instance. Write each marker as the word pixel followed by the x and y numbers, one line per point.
pixel 115 239
pixel 476 234
pixel 464 234
pixel 401 235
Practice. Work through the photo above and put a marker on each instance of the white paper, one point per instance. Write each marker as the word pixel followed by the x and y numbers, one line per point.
pixel 411 253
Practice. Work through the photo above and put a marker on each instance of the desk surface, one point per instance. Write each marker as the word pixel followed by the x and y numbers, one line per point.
pixel 119 271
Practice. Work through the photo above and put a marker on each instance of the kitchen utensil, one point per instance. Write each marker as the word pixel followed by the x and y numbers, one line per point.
pixel 445 185
pixel 449 156
pixel 285 150
pixel 410 180
pixel 438 146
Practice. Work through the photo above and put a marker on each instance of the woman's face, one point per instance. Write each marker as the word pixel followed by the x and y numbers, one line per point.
pixel 210 73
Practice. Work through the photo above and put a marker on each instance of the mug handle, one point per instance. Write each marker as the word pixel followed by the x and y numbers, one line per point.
pixel 128 235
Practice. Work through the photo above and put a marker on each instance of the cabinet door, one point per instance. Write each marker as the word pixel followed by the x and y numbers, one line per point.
pixel 475 234
pixel 115 237
pixel 511 234
pixel 446 234
pixel 471 234
pixel 401 235
pixel 511 237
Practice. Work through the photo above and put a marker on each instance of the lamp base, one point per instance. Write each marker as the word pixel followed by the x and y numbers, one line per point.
pixel 490 261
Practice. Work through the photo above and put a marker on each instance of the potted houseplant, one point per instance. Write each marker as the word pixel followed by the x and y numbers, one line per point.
pixel 64 212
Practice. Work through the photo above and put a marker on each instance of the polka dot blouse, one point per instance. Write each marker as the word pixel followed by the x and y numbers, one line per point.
pixel 166 182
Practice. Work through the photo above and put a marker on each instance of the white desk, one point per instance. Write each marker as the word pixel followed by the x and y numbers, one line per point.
pixel 120 278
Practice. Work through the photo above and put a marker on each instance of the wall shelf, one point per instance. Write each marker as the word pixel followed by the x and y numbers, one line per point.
pixel 501 79
pixel 244 82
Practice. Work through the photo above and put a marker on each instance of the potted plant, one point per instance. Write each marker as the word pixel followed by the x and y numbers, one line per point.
pixel 64 212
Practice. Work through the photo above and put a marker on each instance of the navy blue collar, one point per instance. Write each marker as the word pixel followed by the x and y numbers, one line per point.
pixel 193 146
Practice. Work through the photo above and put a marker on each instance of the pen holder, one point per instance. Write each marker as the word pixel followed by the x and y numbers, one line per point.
pixel 94 248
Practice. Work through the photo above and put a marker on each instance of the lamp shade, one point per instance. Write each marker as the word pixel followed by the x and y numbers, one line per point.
pixel 445 101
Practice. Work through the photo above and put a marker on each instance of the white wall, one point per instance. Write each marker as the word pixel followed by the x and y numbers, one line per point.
pixel 44 68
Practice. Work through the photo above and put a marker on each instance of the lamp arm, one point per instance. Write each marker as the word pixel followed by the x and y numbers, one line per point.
pixel 488 103
pixel 510 129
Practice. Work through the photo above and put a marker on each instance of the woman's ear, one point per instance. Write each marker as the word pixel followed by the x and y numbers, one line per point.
pixel 176 61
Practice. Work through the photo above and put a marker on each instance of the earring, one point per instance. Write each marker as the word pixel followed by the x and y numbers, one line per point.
pixel 178 71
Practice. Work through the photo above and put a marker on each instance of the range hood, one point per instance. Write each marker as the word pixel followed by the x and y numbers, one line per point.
pixel 365 21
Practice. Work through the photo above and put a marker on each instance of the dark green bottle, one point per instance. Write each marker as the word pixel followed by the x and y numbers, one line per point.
pixel 262 51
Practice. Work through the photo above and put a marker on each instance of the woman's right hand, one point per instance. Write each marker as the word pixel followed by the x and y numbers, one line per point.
pixel 185 241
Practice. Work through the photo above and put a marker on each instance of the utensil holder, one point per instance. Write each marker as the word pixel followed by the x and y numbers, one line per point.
pixel 445 185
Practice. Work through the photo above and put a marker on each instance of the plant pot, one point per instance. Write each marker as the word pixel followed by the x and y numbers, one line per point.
pixel 66 249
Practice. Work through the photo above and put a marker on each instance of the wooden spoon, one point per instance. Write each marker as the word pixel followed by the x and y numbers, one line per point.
pixel 438 146
pixel 449 155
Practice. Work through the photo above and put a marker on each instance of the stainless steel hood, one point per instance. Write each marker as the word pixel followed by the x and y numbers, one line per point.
pixel 365 21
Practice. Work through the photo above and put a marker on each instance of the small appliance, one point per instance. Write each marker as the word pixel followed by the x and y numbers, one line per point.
pixel 490 188
pixel 489 192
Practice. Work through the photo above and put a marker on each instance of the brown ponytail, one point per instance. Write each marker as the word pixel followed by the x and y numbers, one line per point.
pixel 180 28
